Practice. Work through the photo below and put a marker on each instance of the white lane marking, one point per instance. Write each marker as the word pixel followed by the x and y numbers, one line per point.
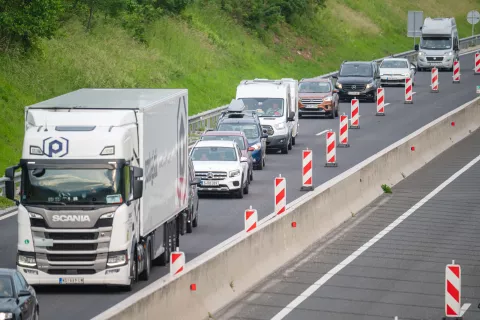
pixel 413 93
pixel 464 308
pixel 5 216
pixel 386 104
pixel 320 133
pixel 320 282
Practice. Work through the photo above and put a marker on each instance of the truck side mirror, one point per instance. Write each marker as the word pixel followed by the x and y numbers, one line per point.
pixel 137 183
pixel 416 47
pixel 10 183
pixel 292 116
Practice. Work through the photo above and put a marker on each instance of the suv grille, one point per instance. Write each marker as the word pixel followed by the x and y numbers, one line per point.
pixel 269 129
pixel 215 175
pixel 434 58
pixel 353 87
pixel 312 101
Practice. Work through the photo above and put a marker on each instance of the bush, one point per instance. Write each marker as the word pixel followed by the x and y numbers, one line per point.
pixel 24 21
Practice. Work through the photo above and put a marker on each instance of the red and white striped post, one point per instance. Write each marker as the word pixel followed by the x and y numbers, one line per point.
pixel 177 262
pixel 280 194
pixel 354 114
pixel 456 71
pixel 477 63
pixel 251 219
pixel 453 290
pixel 434 84
pixel 331 149
pixel 380 102
pixel 408 90
pixel 307 164
pixel 343 135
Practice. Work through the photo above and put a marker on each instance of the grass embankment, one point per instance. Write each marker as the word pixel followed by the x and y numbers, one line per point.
pixel 205 51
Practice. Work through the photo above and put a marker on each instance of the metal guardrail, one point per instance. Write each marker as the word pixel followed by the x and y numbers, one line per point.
pixel 208 119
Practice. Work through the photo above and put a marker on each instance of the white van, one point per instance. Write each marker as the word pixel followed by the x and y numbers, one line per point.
pixel 271 99
pixel 294 125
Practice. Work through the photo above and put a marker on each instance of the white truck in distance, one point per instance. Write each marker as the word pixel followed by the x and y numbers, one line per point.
pixel 271 99
pixel 439 44
pixel 104 185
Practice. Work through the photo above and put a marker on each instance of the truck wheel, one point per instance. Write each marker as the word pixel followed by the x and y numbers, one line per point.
pixel 133 271
pixel 145 275
pixel 164 258
pixel 293 140
pixel 195 221
pixel 189 224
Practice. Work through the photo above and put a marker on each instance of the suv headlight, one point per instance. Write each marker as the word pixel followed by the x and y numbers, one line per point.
pixel 369 85
pixel 234 173
pixel 279 126
pixel 26 259
pixel 117 259
pixel 329 98
pixel 6 315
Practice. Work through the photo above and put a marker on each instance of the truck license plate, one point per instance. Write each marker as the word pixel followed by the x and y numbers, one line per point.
pixel 70 280
pixel 209 183
pixel 354 93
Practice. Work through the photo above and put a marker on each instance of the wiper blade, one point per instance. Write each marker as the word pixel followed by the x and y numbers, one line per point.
pixel 46 202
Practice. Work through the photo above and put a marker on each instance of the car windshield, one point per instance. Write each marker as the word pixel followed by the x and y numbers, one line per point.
pixel 238 139
pixel 6 288
pixel 429 43
pixel 265 107
pixel 72 186
pixel 250 130
pixel 356 70
pixel 394 64
pixel 213 154
pixel 314 87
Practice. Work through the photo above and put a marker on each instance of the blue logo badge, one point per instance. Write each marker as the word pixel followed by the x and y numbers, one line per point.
pixel 55 147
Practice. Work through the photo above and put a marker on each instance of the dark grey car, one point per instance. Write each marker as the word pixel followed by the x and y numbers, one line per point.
pixel 191 215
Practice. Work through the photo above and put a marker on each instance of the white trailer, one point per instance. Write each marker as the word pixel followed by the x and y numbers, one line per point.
pixel 104 185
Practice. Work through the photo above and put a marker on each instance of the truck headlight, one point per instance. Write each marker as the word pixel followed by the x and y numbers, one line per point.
pixel 421 54
pixel 117 259
pixel 6 315
pixel 450 53
pixel 26 259
pixel 329 98
pixel 279 126
pixel 234 173
pixel 35 215
pixel 107 215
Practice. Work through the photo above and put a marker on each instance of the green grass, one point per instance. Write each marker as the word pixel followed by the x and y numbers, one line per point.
pixel 205 51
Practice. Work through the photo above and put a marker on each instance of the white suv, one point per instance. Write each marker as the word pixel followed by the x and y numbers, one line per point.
pixel 221 167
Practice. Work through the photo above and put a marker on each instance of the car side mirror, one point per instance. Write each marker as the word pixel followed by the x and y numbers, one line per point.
pixel 264 130
pixel 335 76
pixel 416 47
pixel 137 182
pixel 264 136
pixel 24 293
pixel 195 181
pixel 243 159
pixel 292 116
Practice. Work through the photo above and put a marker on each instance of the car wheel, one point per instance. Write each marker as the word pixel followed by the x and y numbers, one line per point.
pixel 240 191
pixel 285 149
pixel 293 140
pixel 251 175
pixel 245 189
pixel 332 114
pixel 36 316
pixel 290 144
pixel 336 111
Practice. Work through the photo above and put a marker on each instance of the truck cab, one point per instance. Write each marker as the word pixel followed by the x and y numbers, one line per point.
pixel 439 44
pixel 271 99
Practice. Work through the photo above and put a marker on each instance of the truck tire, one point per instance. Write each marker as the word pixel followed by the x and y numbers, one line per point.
pixel 195 221
pixel 145 275
pixel 189 224
pixel 134 271
pixel 164 258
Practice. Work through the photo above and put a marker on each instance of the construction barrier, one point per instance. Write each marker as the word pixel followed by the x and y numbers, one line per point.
pixel 354 114
pixel 456 71
pixel 331 149
pixel 307 163
pixel 408 90
pixel 380 102
pixel 280 194
pixel 477 63
pixel 251 219
pixel 343 138
pixel 434 84
pixel 453 290
pixel 177 262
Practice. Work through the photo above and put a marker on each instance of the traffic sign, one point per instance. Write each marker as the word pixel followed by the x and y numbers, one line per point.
pixel 473 17
pixel 414 24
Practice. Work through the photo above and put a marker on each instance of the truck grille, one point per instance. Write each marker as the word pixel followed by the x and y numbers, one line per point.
pixel 269 129
pixel 312 101
pixel 71 235
pixel 214 175
pixel 73 247
pixel 353 87
pixel 434 58
pixel 71 257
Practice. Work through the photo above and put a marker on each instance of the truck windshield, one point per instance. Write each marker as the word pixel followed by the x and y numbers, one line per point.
pixel 430 43
pixel 72 186
pixel 356 70
pixel 265 107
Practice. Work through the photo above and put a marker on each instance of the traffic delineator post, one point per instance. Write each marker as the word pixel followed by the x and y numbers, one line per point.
pixel 177 262
pixel 343 132
pixel 408 90
pixel 280 194
pixel 307 170
pixel 331 149
pixel 453 290
pixel 251 219
pixel 354 113
pixel 456 71
pixel 380 102
pixel 434 80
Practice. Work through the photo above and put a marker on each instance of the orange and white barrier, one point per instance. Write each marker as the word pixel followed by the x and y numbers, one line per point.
pixel 408 90
pixel 453 290
pixel 177 262
pixel 477 63
pixel 251 219
pixel 343 135
pixel 434 84
pixel 354 114
pixel 280 194
pixel 331 149
pixel 380 102
pixel 456 71
pixel 307 164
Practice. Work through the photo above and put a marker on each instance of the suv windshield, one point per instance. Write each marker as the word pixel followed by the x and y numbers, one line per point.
pixel 397 64
pixel 249 129
pixel 314 87
pixel 356 70
pixel 435 43
pixel 6 288
pixel 238 139
pixel 213 154
pixel 265 107
pixel 72 186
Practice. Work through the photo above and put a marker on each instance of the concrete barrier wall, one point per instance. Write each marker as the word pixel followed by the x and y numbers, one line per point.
pixel 229 270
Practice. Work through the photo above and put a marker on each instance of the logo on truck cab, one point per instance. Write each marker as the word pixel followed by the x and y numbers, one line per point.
pixel 71 218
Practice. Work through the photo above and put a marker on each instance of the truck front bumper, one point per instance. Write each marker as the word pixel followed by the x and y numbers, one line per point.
pixel 111 276
pixel 446 63
pixel 277 142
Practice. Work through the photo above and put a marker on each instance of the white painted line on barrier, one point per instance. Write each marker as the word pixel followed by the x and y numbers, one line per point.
pixel 320 282
pixel 323 132
pixel 464 308
pixel 8 215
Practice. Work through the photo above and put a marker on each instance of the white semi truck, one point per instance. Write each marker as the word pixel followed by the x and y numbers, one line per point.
pixel 104 185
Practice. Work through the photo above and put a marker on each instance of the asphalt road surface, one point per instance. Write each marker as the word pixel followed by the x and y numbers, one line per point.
pixel 403 273
pixel 222 217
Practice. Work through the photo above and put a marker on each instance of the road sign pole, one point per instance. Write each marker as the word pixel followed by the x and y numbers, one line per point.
pixel 473 17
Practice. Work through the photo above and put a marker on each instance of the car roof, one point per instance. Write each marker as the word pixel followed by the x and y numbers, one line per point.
pixel 326 80
pixel 357 62
pixel 239 120
pixel 7 272
pixel 224 133
pixel 396 59
pixel 215 143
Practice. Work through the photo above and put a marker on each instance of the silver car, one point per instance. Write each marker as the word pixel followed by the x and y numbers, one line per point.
pixel 393 71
